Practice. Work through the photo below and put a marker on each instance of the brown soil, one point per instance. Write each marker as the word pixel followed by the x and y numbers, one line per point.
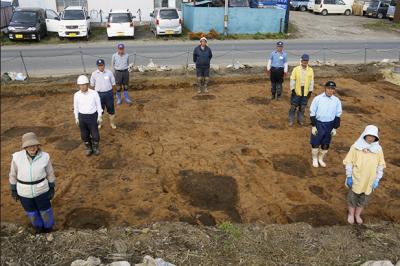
pixel 201 159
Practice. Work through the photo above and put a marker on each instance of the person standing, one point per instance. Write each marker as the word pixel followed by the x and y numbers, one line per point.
pixel 325 112
pixel 301 86
pixel 103 81
pixel 32 182
pixel 364 169
pixel 88 115
pixel 202 57
pixel 120 64
pixel 277 67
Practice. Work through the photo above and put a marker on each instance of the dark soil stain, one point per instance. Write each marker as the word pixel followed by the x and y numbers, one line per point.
pixel 292 165
pixel 266 124
pixel 188 219
pixel 19 131
pixel 395 193
pixel 318 191
pixel 206 190
pixel 87 218
pixel 68 144
pixel 206 219
pixel 345 92
pixel 141 213
pixel 130 126
pixel 359 110
pixel 315 215
pixel 262 163
pixel 204 97
pixel 395 162
pixel 250 152
pixel 258 100
pixel 111 163
pixel 52 139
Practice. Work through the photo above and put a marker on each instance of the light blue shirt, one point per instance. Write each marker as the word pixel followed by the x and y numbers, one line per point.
pixel 278 59
pixel 325 108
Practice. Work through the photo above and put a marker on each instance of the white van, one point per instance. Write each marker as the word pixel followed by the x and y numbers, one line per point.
pixel 325 7
pixel 74 22
pixel 120 24
pixel 166 21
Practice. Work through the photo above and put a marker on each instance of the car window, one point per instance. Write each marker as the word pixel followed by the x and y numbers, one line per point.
pixel 317 2
pixel 24 16
pixel 385 5
pixel 73 15
pixel 50 14
pixel 374 4
pixel 169 14
pixel 340 2
pixel 120 18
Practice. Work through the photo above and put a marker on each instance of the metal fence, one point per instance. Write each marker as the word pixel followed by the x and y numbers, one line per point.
pixel 80 61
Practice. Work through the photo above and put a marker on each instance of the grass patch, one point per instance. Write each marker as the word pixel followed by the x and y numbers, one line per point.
pixel 383 25
pixel 230 229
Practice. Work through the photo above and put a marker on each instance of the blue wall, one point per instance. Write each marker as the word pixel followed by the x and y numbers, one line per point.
pixel 241 20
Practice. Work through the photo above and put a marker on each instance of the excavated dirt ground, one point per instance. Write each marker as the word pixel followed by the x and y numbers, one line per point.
pixel 179 156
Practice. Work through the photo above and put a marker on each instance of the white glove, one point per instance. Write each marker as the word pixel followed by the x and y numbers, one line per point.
pixel 77 121
pixel 314 131
pixel 333 132
pixel 99 119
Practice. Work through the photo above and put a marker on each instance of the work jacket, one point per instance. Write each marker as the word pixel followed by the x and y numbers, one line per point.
pixel 308 79
pixel 25 171
pixel 201 57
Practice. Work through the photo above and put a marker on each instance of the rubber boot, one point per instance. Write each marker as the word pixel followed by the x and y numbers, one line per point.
pixel 119 99
pixel 321 156
pixel 205 85
pixel 358 215
pixel 89 149
pixel 36 221
pixel 314 153
pixel 48 219
pixel 300 115
pixel 278 91
pixel 199 84
pixel 126 97
pixel 350 215
pixel 292 112
pixel 96 150
pixel 112 120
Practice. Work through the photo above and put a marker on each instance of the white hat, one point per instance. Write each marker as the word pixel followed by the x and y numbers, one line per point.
pixel 29 139
pixel 203 39
pixel 82 79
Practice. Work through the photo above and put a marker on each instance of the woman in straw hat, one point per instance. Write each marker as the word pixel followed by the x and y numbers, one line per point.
pixel 32 182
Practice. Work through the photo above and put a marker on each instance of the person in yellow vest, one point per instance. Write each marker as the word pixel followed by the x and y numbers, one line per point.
pixel 301 86
pixel 364 169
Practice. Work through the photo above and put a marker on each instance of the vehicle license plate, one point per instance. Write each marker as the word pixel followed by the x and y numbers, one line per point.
pixel 72 34
pixel 19 36
pixel 169 32
pixel 120 34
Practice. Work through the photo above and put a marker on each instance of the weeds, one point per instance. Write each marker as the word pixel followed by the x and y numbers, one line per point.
pixel 230 229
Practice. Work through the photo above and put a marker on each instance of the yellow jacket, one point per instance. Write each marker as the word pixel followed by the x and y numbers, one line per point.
pixel 309 79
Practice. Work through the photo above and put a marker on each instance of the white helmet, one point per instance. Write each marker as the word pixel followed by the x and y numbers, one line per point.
pixel 82 79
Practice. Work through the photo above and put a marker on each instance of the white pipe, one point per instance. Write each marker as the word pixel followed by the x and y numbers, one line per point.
pixel 226 17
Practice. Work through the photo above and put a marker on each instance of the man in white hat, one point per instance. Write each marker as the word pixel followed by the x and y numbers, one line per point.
pixel 202 57
pixel 32 182
pixel 88 115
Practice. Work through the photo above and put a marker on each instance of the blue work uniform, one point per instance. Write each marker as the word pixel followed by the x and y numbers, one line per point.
pixel 278 61
pixel 325 114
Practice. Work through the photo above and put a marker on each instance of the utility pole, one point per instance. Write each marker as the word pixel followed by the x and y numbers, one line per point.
pixel 397 12
pixel 287 16
pixel 226 17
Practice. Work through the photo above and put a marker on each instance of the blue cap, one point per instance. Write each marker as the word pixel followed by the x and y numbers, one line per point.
pixel 279 44
pixel 121 46
pixel 100 62
pixel 330 84
pixel 305 57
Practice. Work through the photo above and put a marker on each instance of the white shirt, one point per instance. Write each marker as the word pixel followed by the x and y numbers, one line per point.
pixel 102 81
pixel 87 103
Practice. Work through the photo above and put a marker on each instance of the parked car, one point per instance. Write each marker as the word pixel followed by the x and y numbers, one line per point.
pixel 366 4
pixel 74 22
pixel 325 7
pixel 391 10
pixel 120 24
pixel 31 23
pixel 378 9
pixel 165 21
pixel 301 5
pixel 310 5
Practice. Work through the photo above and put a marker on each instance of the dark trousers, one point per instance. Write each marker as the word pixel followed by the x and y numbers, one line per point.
pixel 122 78
pixel 276 77
pixel 107 101
pixel 300 103
pixel 202 71
pixel 89 127
pixel 39 211
pixel 323 136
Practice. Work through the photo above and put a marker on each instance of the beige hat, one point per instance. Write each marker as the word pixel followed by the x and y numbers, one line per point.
pixel 29 139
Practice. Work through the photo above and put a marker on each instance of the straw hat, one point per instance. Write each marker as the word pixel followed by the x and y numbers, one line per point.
pixel 29 139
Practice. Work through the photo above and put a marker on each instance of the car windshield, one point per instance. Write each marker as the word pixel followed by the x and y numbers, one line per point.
pixel 169 14
pixel 374 4
pixel 24 17
pixel 73 15
pixel 317 2
pixel 120 18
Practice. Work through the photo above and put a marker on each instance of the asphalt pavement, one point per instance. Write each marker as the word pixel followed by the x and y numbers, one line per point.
pixel 56 60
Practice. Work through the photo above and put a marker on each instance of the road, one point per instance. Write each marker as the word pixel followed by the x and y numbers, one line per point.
pixel 56 60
